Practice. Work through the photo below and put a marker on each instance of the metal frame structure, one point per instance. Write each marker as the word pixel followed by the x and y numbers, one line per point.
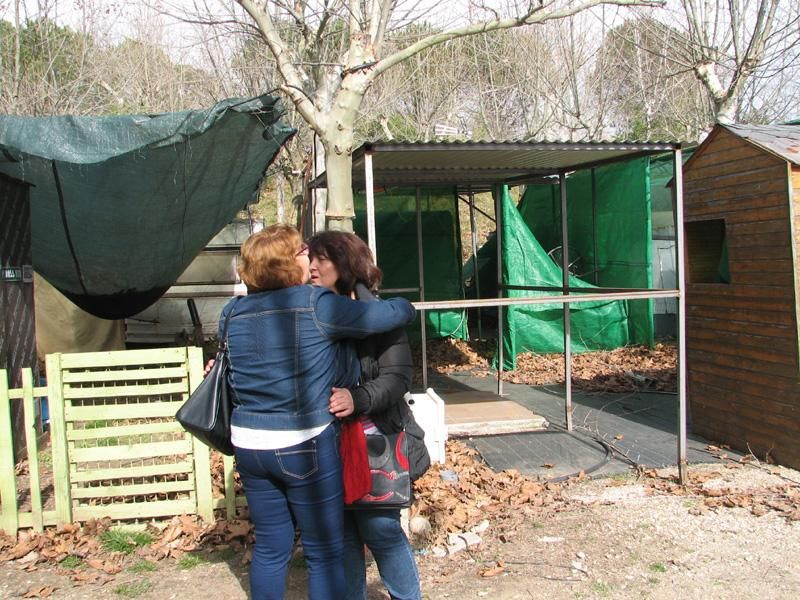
pixel 478 166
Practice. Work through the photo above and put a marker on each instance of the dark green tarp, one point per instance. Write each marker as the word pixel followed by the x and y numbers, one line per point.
pixel 610 239
pixel 610 231
pixel 396 238
pixel 120 205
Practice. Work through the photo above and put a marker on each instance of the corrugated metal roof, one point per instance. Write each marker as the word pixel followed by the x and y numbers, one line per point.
pixel 485 163
pixel 783 140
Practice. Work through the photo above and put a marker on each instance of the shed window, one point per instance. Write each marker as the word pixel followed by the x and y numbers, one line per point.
pixel 707 251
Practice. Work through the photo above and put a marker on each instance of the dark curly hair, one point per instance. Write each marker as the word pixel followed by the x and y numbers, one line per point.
pixel 350 255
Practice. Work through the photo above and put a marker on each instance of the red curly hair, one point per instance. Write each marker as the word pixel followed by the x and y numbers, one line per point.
pixel 267 259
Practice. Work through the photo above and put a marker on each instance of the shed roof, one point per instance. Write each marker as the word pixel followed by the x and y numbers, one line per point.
pixel 481 164
pixel 782 140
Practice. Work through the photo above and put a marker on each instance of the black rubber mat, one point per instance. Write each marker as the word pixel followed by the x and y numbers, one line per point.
pixel 611 432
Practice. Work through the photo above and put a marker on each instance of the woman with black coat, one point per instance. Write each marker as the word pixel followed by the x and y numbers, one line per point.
pixel 343 263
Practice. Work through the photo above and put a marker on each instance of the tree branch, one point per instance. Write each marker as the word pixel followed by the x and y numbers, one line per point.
pixel 536 15
pixel 293 76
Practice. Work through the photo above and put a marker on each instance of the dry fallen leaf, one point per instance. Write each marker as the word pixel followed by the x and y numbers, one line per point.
pixel 493 571
pixel 627 369
pixel 40 591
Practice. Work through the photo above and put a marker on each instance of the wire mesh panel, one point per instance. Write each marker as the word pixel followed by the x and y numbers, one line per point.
pixel 126 456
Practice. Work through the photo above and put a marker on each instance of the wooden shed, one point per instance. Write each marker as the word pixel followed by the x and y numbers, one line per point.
pixel 742 228
pixel 17 334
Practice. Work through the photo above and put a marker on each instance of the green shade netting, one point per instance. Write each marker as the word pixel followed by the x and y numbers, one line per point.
pixel 398 257
pixel 539 327
pixel 610 231
pixel 121 205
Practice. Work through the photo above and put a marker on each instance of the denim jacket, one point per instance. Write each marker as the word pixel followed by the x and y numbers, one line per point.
pixel 285 352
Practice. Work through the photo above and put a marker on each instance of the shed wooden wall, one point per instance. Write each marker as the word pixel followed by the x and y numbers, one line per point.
pixel 742 337
pixel 17 335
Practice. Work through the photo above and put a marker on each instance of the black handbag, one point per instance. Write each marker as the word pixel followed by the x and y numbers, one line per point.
pixel 207 412
pixel 388 465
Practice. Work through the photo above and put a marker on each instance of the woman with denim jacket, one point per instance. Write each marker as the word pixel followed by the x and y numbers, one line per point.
pixel 287 348
pixel 343 263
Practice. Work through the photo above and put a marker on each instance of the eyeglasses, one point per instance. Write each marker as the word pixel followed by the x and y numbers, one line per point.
pixel 303 251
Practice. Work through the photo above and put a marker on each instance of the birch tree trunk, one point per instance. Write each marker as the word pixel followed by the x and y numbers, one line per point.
pixel 320 194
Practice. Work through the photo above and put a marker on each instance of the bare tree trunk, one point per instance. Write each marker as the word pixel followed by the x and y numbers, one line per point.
pixel 17 50
pixel 338 139
pixel 329 94
pixel 320 194
pixel 719 32
pixel 340 187
pixel 281 200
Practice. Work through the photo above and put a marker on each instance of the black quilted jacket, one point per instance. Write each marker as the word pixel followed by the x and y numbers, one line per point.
pixel 386 370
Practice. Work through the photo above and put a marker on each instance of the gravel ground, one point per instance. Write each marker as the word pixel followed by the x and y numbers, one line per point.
pixel 617 540
pixel 619 537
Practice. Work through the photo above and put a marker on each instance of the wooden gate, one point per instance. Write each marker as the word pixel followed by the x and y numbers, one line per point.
pixel 116 449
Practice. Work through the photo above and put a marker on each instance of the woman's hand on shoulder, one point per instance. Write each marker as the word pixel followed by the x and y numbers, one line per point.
pixel 341 403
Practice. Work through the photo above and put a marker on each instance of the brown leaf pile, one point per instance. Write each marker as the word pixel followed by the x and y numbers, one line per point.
pixel 783 499
pixel 172 539
pixel 190 534
pixel 218 476
pixel 449 355
pixel 456 496
pixel 627 369
pixel 31 548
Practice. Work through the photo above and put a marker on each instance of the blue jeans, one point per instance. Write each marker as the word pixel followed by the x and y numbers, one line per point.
pixel 299 485
pixel 381 532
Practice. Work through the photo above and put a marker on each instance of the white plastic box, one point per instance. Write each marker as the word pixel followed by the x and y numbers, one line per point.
pixel 428 409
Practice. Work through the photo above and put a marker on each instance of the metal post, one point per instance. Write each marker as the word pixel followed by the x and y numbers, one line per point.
pixel 498 218
pixel 368 188
pixel 422 313
pixel 197 324
pixel 562 184
pixel 474 241
pixel 595 270
pixel 677 194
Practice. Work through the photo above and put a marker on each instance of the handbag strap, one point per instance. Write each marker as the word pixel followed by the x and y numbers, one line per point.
pixel 223 339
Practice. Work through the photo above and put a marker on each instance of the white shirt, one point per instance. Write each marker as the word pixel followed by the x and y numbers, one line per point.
pixel 271 439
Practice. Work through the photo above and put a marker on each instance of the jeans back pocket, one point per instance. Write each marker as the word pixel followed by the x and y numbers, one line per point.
pixel 299 463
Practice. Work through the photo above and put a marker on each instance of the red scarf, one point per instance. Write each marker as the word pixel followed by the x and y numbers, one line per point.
pixel 355 464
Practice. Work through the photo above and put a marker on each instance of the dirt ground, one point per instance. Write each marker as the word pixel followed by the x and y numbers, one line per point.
pixel 734 532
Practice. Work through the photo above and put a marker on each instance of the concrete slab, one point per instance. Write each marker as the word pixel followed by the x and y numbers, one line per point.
pixel 476 413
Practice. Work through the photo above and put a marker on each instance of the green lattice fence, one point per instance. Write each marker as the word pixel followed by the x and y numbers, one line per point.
pixel 115 449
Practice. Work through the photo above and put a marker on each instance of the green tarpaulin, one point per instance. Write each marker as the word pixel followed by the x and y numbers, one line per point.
pixel 396 234
pixel 610 231
pixel 540 327
pixel 610 241
pixel 121 205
